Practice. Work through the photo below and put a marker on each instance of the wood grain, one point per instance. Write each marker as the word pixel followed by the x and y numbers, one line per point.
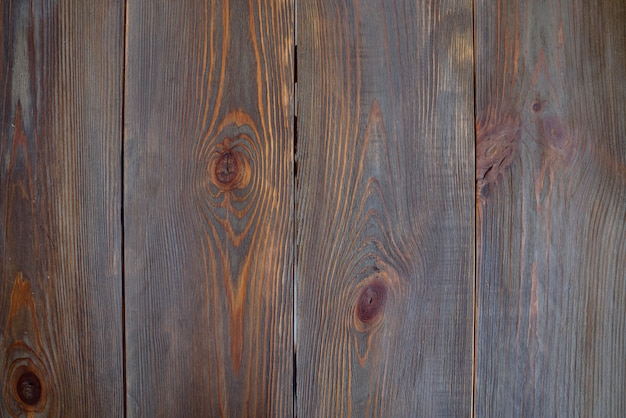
pixel 208 198
pixel 551 214
pixel 385 219
pixel 61 339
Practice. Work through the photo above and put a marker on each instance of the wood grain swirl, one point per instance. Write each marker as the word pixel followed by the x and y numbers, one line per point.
pixel 551 100
pixel 61 339
pixel 384 202
pixel 209 208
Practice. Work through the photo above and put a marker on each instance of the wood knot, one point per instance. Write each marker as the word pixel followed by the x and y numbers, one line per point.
pixel 28 388
pixel 371 302
pixel 554 132
pixel 229 166
pixel 226 167
pixel 496 147
pixel 558 143
pixel 536 106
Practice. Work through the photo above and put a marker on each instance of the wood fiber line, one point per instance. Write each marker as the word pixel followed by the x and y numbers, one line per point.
pixel 209 208
pixel 61 339
pixel 551 187
pixel 385 213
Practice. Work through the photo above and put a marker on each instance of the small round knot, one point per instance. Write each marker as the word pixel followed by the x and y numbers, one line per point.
pixel 371 302
pixel 536 106
pixel 28 388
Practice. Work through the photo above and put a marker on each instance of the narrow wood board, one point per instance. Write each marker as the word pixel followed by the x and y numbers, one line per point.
pixel 551 214
pixel 61 338
pixel 385 208
pixel 208 208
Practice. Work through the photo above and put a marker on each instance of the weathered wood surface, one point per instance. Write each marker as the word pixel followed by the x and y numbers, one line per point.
pixel 208 198
pixel 551 215
pixel 382 227
pixel 61 338
pixel 385 208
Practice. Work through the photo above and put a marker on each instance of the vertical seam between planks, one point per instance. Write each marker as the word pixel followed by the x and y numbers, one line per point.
pixel 294 167
pixel 475 302
pixel 294 153
pixel 122 191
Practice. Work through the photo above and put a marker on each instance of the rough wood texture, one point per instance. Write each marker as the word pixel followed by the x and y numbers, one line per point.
pixel 209 208
pixel 61 347
pixel 551 186
pixel 385 218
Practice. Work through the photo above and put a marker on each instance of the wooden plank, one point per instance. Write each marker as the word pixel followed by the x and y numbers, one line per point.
pixel 209 208
pixel 551 185
pixel 385 208
pixel 61 341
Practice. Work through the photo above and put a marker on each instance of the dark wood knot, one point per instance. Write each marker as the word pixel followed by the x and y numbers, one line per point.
pixel 229 167
pixel 226 167
pixel 28 388
pixel 371 302
pixel 536 106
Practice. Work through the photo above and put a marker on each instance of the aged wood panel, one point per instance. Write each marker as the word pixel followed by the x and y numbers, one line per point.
pixel 551 187
pixel 61 339
pixel 385 208
pixel 208 198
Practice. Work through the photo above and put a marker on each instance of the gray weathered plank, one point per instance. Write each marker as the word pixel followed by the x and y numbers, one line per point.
pixel 551 187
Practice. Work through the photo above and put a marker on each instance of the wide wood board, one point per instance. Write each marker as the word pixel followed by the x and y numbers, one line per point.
pixel 61 318
pixel 551 208
pixel 385 209
pixel 208 208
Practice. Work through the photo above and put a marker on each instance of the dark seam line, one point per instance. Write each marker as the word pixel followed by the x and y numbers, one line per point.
pixel 294 208
pixel 475 304
pixel 123 267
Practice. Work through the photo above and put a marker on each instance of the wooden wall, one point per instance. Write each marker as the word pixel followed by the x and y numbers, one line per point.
pixel 312 208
